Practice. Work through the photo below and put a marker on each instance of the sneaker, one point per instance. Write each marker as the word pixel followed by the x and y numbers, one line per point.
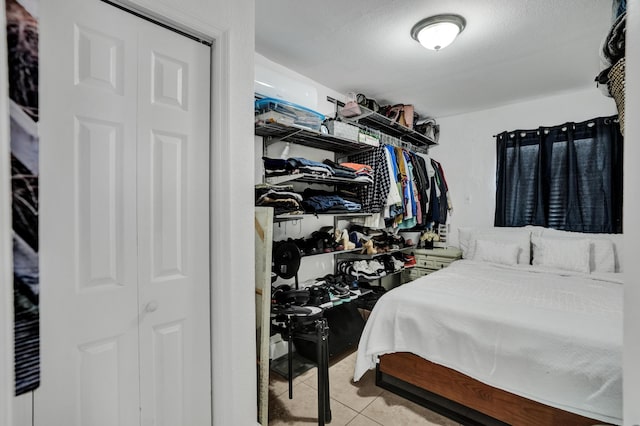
pixel 339 291
pixel 398 264
pixel 376 266
pixel 363 270
pixel 409 261
pixel 388 264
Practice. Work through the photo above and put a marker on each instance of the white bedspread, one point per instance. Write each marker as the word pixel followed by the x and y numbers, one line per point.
pixel 555 339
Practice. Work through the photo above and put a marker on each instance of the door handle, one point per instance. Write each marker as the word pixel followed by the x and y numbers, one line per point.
pixel 151 307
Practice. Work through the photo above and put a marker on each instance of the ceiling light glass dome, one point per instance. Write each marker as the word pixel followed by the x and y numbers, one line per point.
pixel 437 32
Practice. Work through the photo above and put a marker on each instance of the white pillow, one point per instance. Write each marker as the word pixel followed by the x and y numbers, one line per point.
pixel 520 236
pixel 603 257
pixel 603 252
pixel 465 236
pixel 562 253
pixel 496 252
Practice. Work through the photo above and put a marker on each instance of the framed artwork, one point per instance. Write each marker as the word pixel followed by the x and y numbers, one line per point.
pixel 22 48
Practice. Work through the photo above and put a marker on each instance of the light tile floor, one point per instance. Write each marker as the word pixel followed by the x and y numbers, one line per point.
pixel 354 404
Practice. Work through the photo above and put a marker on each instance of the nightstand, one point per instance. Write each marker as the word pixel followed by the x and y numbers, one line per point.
pixel 431 260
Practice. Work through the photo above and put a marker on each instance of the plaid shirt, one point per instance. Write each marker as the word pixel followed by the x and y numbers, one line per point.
pixel 374 196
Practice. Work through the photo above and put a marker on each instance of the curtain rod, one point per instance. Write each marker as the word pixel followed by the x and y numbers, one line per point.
pixel 589 123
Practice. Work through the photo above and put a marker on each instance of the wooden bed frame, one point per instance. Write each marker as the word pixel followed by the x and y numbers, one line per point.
pixel 464 399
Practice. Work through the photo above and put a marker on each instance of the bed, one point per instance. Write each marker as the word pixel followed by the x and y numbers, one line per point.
pixel 493 337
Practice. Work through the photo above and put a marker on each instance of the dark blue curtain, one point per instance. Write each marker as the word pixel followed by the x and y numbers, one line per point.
pixel 565 177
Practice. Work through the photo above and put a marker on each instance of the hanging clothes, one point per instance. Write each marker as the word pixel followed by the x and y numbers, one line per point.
pixel 422 184
pixel 404 180
pixel 439 206
pixel 394 200
pixel 398 212
pixel 409 189
pixel 410 220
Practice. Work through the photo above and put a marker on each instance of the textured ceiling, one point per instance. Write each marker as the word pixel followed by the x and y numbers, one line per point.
pixel 511 50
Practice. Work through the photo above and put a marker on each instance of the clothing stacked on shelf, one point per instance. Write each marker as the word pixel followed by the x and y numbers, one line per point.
pixel 409 189
pixel 319 201
pixel 362 173
pixel 295 165
pixel 340 170
pixel 280 197
pixel 285 201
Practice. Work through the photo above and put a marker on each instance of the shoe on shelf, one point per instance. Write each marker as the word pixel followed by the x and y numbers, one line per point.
pixel 397 264
pixel 339 291
pixel 409 261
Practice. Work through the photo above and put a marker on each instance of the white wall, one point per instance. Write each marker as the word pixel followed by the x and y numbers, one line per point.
pixel 467 148
pixel 231 26
pixel 631 220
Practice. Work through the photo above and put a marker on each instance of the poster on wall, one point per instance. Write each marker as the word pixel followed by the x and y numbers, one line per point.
pixel 22 48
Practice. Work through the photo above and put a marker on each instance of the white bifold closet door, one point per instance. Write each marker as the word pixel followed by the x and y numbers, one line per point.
pixel 125 332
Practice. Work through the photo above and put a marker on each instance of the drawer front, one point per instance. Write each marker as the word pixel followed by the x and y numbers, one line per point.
pixel 420 272
pixel 431 264
pixel 423 262
pixel 415 273
pixel 439 262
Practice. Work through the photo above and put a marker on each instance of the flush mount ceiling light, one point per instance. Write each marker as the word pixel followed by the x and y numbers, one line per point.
pixel 437 32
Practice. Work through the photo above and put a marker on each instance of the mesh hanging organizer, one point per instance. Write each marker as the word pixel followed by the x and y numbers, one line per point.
pixel 616 88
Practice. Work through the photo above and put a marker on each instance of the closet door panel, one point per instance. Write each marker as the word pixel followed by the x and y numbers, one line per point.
pixel 98 389
pixel 169 389
pixel 168 239
pixel 100 148
pixel 173 213
pixel 89 307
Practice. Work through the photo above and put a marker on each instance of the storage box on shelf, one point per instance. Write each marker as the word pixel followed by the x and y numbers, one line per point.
pixel 283 112
pixel 342 129
pixel 353 132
